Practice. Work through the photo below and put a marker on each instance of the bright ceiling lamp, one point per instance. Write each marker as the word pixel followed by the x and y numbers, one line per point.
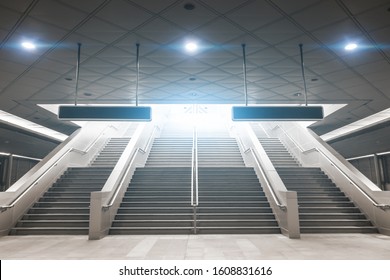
pixel 350 47
pixel 191 47
pixel 29 45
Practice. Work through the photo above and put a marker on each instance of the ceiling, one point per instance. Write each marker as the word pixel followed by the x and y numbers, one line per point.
pixel 270 29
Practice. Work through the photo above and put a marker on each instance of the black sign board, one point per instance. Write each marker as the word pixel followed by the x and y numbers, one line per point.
pixel 277 113
pixel 105 113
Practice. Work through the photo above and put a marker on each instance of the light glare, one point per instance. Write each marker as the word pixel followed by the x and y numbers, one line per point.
pixel 191 47
pixel 350 47
pixel 28 45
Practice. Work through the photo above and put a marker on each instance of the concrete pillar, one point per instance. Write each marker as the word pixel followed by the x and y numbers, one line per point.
pixel 9 171
pixel 294 231
pixel 378 172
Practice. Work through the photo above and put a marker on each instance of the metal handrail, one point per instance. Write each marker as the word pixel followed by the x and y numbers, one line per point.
pixel 273 194
pixel 194 170
pixel 129 166
pixel 289 137
pixel 194 177
pixel 351 181
pixel 275 198
pixel 374 203
pixel 36 181
pixel 86 151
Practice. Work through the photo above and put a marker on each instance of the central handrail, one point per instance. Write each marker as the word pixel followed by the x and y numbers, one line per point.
pixel 352 181
pixel 194 177
pixel 36 181
pixel 129 166
pixel 194 170
pixel 273 194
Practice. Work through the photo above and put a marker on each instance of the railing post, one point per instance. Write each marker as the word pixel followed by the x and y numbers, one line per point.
pixel 194 176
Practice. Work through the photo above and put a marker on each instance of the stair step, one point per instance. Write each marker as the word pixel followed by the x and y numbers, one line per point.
pixel 150 230
pixel 331 216
pixel 53 223
pixel 334 223
pixel 341 229
pixel 64 216
pixel 152 223
pixel 239 230
pixel 49 231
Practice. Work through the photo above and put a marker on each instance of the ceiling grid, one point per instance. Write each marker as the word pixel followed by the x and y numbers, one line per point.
pixel 271 30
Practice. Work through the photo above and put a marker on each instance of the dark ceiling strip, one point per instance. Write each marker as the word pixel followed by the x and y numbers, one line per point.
pixel 25 132
pixel 18 23
pixel 383 125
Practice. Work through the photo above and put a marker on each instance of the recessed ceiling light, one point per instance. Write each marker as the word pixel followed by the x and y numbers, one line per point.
pixel 192 79
pixel 29 45
pixel 297 94
pixel 189 6
pixel 87 94
pixel 191 47
pixel 350 46
pixel 68 79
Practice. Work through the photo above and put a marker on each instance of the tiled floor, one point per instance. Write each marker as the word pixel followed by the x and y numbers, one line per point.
pixel 198 247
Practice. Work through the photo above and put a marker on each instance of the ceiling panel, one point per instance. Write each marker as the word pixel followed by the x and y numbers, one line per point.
pixel 360 6
pixel 18 6
pixel 189 19
pixel 292 7
pixel 161 31
pixel 57 14
pixel 101 31
pixel 218 31
pixel 155 6
pixel 254 15
pixel 306 17
pixel 124 15
pixel 376 18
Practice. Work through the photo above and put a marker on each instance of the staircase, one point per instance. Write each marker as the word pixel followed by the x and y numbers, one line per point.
pixel 218 151
pixel 323 207
pixel 158 199
pixel 170 152
pixel 111 153
pixel 64 208
pixel 277 153
pixel 231 201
